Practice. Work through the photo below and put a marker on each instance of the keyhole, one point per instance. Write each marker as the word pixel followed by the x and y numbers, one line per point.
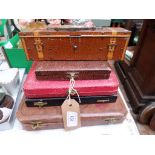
pixel 75 47
pixel 70 105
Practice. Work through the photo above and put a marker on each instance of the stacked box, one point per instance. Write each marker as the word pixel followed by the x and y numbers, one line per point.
pixel 78 56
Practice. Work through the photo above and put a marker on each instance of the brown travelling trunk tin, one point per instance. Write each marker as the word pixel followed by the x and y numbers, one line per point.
pixel 91 44
pixel 35 118
pixel 65 70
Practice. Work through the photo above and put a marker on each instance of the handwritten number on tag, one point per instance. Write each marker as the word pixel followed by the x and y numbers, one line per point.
pixel 71 114
pixel 72 119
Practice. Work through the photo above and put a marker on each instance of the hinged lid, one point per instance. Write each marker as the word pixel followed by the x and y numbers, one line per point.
pixel 83 33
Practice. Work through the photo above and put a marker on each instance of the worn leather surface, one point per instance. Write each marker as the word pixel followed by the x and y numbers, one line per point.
pixel 34 88
pixel 91 114
pixel 90 44
pixel 62 70
pixel 58 101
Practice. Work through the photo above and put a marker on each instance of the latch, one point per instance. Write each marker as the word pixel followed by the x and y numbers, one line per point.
pixel 36 125
pixel 40 104
pixel 71 75
pixel 102 101
pixel 111 120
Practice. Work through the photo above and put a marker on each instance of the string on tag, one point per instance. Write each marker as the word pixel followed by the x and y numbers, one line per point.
pixel 72 89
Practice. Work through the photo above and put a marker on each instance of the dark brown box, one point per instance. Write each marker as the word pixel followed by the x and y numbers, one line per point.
pixel 35 118
pixel 65 70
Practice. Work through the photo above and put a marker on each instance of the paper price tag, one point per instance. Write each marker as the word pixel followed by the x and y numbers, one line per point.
pixel 72 118
pixel 71 114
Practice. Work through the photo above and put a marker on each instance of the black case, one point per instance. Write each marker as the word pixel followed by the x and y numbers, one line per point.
pixel 41 102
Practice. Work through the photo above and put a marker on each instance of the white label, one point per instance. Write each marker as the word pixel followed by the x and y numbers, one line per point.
pixel 72 119
pixel 8 45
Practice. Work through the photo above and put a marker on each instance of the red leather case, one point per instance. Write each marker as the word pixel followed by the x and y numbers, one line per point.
pixel 34 88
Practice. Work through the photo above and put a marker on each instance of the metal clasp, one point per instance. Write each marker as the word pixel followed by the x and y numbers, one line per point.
pixel 102 101
pixel 36 124
pixel 40 104
pixel 111 120
pixel 72 74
